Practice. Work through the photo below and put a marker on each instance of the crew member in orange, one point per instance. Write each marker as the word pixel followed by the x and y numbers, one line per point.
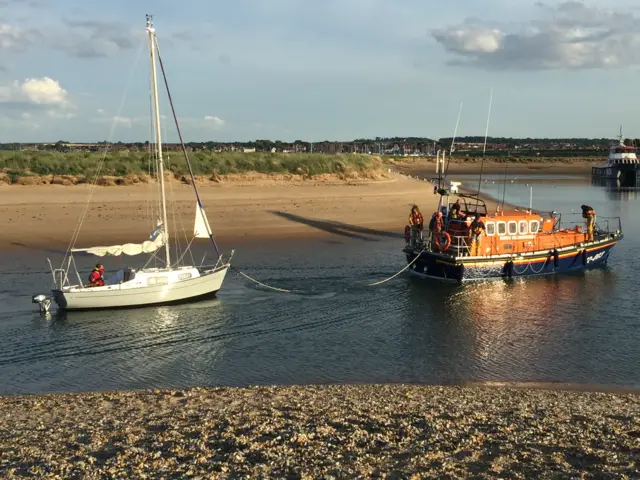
pixel 476 230
pixel 435 226
pixel 96 278
pixel 416 221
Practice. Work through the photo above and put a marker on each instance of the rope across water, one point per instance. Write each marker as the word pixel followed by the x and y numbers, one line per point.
pixel 239 272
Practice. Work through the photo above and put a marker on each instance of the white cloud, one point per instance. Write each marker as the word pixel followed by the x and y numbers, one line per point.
pixel 34 102
pixel 100 111
pixel 215 121
pixel 570 35
pixel 60 115
pixel 127 122
pixel 35 93
pixel 78 38
pixel 44 91
pixel 13 38
pixel 94 38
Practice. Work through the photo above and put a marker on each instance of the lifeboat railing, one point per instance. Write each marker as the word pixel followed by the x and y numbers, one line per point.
pixel 603 225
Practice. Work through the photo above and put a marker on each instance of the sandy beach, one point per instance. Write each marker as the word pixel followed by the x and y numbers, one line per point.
pixel 359 431
pixel 570 166
pixel 243 207
pixel 46 215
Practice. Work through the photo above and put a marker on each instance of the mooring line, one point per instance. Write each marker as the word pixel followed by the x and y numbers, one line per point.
pixel 260 283
pixel 396 274
pixel 294 291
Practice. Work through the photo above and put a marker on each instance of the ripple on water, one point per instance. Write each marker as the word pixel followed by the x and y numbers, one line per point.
pixel 335 328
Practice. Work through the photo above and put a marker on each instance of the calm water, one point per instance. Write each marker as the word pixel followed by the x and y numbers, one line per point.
pixel 581 328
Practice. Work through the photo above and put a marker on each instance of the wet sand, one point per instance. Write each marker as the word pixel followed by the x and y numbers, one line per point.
pixel 581 167
pixel 370 431
pixel 46 215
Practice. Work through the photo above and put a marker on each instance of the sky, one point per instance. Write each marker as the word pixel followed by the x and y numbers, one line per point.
pixel 319 70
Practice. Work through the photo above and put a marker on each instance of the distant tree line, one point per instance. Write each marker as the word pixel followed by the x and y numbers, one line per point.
pixel 359 145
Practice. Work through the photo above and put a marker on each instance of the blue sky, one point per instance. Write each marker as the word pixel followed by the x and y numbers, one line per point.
pixel 316 70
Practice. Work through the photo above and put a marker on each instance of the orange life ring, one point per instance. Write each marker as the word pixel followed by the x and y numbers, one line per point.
pixel 447 243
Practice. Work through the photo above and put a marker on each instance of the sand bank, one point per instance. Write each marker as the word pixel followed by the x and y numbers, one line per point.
pixel 370 431
pixel 46 215
pixel 579 167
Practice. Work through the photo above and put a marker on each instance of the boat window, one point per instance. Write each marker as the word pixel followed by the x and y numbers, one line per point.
pixel 184 276
pixel 513 228
pixel 507 246
pixel 522 227
pixel 534 225
pixel 502 228
pixel 491 228
pixel 157 280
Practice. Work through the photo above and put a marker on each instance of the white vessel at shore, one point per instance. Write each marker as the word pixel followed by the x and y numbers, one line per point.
pixel 622 165
pixel 168 283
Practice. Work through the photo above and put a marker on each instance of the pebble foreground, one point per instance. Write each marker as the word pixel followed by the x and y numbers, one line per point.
pixel 366 431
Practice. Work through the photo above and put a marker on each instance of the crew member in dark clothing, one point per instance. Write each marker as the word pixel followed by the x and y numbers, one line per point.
pixel 454 213
pixel 589 214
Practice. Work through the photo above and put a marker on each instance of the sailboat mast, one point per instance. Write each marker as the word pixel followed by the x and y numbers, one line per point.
pixel 165 224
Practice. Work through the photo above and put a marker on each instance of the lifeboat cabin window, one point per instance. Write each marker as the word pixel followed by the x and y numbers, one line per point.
pixel 502 228
pixel 184 276
pixel 523 226
pixel 534 225
pixel 491 229
pixel 513 228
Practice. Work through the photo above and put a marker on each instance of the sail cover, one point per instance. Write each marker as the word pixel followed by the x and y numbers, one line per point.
pixel 201 228
pixel 149 246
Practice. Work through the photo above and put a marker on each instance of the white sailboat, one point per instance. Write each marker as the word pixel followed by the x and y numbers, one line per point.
pixel 170 282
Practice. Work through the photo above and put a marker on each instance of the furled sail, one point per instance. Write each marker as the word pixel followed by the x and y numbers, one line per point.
pixel 201 228
pixel 148 246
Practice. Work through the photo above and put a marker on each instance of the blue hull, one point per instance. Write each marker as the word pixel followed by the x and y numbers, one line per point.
pixel 444 267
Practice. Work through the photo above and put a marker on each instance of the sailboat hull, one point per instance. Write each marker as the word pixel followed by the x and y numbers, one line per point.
pixel 139 293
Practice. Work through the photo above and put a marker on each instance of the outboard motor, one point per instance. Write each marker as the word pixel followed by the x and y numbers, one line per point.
pixel 43 301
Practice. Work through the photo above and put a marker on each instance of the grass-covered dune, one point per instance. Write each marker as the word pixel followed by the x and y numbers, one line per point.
pixel 70 168
pixel 33 167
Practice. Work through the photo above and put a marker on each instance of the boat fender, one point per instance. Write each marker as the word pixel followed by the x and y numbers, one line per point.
pixel 584 256
pixel 461 273
pixel 556 259
pixel 447 242
pixel 407 233
pixel 508 269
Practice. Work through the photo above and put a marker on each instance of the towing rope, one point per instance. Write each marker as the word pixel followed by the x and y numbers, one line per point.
pixel 396 274
pixel 239 272
pixel 258 282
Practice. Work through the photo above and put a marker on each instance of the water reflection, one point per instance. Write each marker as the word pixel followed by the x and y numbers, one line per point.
pixel 579 328
pixel 511 329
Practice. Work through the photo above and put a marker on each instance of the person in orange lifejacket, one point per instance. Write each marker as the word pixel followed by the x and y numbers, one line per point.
pixel 416 222
pixel 436 223
pixel 415 218
pixel 96 278
pixel 589 214
pixel 435 226
pixel 476 230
